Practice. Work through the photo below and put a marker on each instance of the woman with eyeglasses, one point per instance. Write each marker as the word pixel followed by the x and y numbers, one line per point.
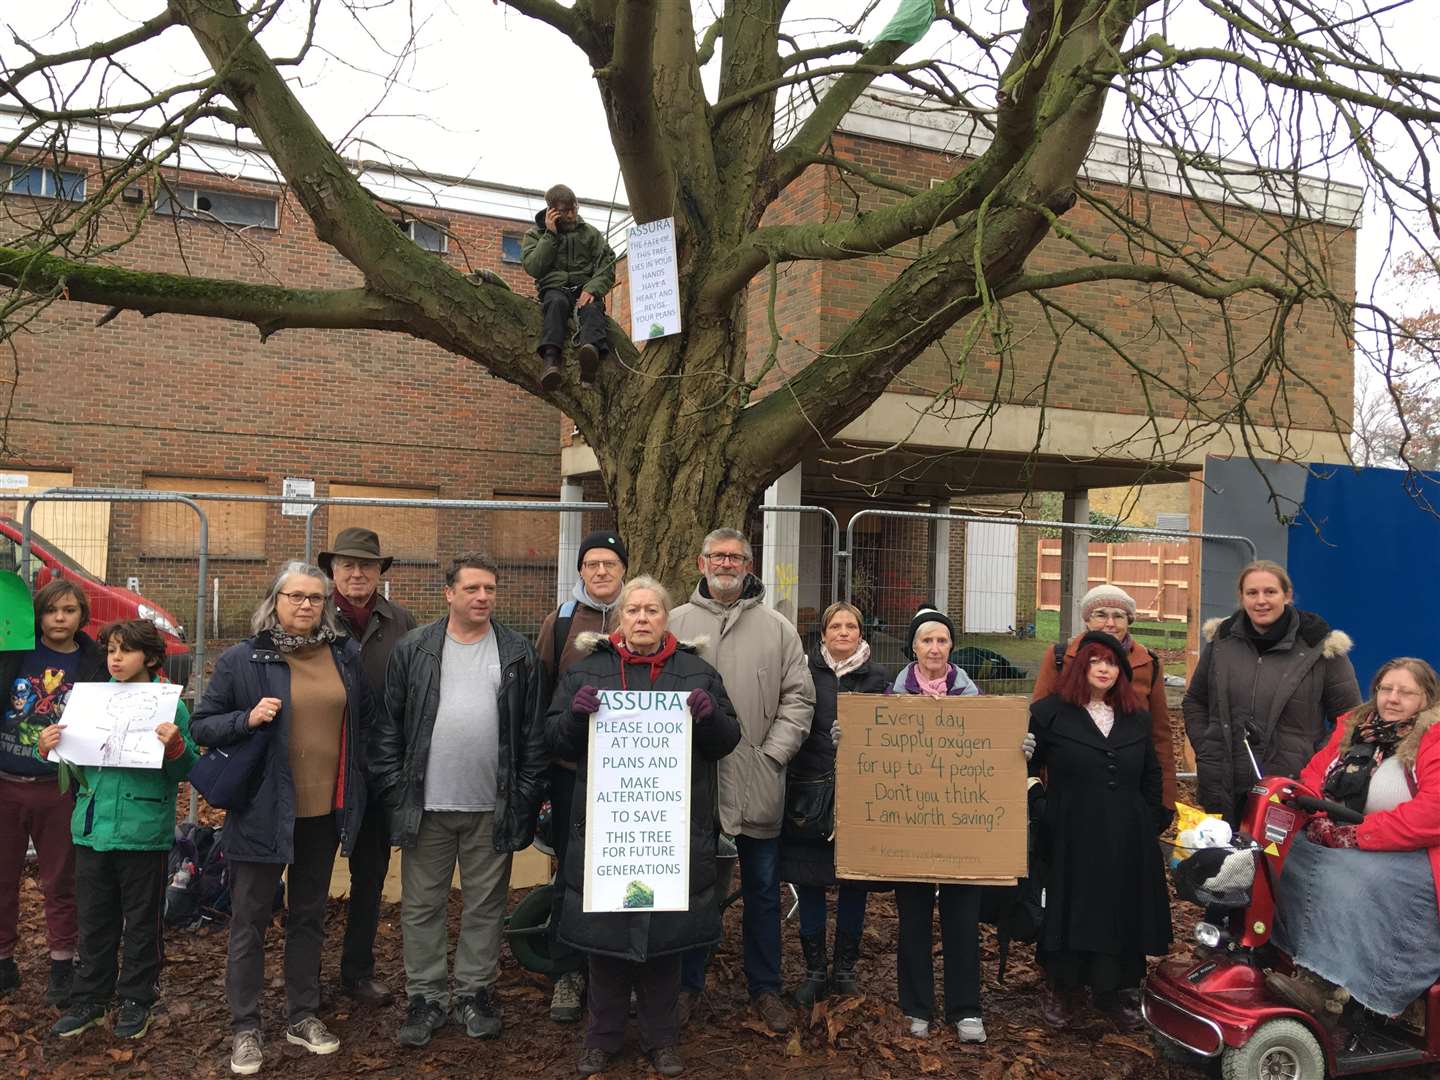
pixel 1109 609
pixel 299 683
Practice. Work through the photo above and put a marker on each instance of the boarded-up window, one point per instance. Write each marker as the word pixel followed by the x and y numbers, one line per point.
pixel 410 534
pixel 237 529
pixel 525 536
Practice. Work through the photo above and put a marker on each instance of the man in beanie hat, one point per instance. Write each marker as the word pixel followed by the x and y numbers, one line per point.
pixel 1110 609
pixel 356 565
pixel 602 563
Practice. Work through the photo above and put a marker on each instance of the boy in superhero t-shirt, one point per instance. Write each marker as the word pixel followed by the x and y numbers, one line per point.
pixel 32 807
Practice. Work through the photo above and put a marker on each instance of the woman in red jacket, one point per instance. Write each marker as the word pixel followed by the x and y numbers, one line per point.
pixel 1358 904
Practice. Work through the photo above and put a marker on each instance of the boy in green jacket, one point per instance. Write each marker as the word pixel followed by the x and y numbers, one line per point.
pixel 122 827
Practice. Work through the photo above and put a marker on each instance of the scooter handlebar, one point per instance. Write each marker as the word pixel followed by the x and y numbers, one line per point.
pixel 1336 811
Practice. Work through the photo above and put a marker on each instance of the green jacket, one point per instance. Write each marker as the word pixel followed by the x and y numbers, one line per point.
pixel 132 809
pixel 578 257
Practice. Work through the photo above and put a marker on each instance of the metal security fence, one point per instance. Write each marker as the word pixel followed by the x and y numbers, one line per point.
pixel 797 559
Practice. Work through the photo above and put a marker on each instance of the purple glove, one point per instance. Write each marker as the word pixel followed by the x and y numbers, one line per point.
pixel 702 705
pixel 586 701
pixel 1325 832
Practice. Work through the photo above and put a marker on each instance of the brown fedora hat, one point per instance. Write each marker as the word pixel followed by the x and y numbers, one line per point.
pixel 357 544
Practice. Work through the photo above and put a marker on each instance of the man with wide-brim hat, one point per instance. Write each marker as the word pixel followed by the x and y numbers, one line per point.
pixel 356 564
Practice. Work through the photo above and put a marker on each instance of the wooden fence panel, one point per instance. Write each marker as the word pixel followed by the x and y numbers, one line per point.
pixel 1157 575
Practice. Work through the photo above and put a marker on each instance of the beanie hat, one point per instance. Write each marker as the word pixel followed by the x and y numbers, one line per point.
pixel 1105 641
pixel 927 614
pixel 607 540
pixel 1106 596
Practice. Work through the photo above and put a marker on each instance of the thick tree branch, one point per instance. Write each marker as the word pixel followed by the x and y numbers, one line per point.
pixel 573 22
pixel 626 84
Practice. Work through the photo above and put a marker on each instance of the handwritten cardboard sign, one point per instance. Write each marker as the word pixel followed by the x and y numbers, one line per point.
pixel 930 789
pixel 637 814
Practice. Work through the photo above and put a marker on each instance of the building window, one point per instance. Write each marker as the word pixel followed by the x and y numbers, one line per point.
pixel 411 535
pixel 510 248
pixel 225 206
pixel 237 529
pixel 430 237
pixel 43 183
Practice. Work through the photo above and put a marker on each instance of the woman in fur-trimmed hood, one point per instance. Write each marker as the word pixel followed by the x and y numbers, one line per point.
pixel 1270 673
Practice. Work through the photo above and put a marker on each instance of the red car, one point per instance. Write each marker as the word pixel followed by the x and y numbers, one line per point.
pixel 107 602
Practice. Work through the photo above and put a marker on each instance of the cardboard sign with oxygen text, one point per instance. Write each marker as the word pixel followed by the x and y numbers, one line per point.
pixel 931 789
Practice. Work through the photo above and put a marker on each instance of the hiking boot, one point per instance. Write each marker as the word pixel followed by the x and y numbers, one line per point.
pixel 666 1060
pixel 246 1055
pixel 132 1020
pixel 1123 1009
pixel 970 1029
pixel 422 1019
pixel 688 1006
pixel 1297 990
pixel 62 977
pixel 9 977
pixel 593 1060
pixel 813 988
pixel 550 379
pixel 843 981
pixel 773 1011
pixel 589 363
pixel 1057 1007
pixel 313 1036
pixel 918 1028
pixel 368 991
pixel 479 1015
pixel 565 1003
pixel 77 1019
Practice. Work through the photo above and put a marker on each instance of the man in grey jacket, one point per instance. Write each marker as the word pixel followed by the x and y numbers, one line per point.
pixel 760 657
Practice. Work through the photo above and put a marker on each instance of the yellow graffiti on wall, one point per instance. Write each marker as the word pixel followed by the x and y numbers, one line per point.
pixel 786 580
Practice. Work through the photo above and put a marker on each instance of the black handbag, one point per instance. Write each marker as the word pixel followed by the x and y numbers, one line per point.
pixel 227 775
pixel 809 807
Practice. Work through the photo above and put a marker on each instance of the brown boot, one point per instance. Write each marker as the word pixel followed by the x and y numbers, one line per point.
pixel 1057 1007
pixel 773 1011
pixel 1298 990
pixel 550 379
pixel 589 364
pixel 1123 1009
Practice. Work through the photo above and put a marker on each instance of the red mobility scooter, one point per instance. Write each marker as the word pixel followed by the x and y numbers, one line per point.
pixel 1217 1005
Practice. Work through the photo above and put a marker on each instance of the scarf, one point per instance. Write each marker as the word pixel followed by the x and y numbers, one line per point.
pixel 655 660
pixel 1267 639
pixel 858 659
pixel 933 687
pixel 1348 778
pixel 288 643
pixel 357 615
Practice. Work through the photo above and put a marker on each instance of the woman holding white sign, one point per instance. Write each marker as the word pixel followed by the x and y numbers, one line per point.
pixel 638 948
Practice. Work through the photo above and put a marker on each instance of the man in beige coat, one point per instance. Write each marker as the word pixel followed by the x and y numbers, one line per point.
pixel 760 657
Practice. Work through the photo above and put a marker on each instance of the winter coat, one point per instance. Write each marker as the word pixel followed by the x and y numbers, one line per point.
pixel 132 809
pixel 639 936
pixel 389 622
pixel 759 655
pixel 580 258
pixel 1308 681
pixel 400 740
pixel 1148 678
pixel 1411 825
pixel 263 830
pixel 1105 888
pixel 812 862
pixel 584 619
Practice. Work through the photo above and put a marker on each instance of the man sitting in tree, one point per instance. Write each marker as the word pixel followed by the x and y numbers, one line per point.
pixel 573 268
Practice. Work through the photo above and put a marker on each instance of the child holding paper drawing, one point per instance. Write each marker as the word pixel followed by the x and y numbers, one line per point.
pixel 122 826
pixel 32 806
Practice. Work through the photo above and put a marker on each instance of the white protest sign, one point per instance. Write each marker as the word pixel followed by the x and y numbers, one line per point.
pixel 296 487
pixel 637 812
pixel 654 280
pixel 113 724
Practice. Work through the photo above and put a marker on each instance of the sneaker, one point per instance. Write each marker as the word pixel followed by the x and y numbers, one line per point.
pixel 9 976
pixel 666 1060
pixel 62 977
pixel 774 1012
pixel 246 1055
pixel 592 1060
pixel 565 1003
pixel 313 1036
pixel 422 1019
pixel 970 1029
pixel 78 1018
pixel 132 1020
pixel 920 1029
pixel 479 1015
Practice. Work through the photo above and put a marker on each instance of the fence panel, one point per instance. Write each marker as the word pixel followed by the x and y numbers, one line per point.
pixel 799 568
pixel 1157 575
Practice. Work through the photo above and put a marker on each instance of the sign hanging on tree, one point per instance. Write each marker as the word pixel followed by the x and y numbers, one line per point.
pixel 654 280
pixel 637 812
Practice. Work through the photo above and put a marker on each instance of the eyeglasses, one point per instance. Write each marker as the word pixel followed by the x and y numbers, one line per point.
pixel 592 565
pixel 1399 691
pixel 721 557
pixel 301 599
pixel 1105 613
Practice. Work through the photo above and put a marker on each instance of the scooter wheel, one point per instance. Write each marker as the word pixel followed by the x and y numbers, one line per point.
pixel 1279 1050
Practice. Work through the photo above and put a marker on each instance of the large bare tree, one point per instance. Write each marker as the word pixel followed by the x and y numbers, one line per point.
pixel 1300 84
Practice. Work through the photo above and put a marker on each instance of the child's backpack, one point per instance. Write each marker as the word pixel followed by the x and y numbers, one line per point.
pixel 198 888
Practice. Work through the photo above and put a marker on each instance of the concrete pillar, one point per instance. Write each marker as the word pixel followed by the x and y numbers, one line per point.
pixel 1074 561
pixel 570 524
pixel 940 560
pixel 780 560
